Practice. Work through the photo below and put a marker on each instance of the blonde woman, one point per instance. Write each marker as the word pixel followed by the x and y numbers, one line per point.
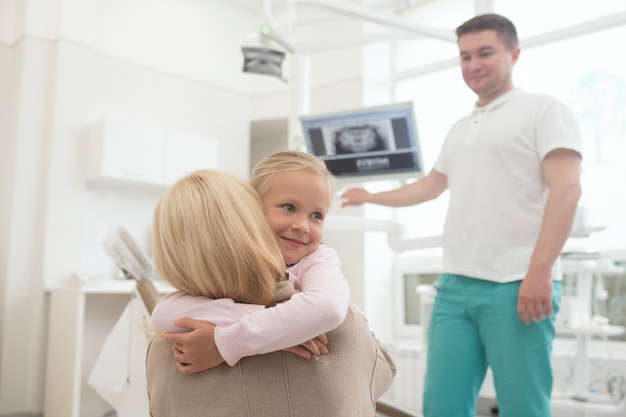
pixel 212 242
pixel 197 227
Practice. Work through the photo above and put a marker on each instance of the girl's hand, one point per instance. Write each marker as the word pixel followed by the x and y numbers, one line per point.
pixel 195 351
pixel 313 347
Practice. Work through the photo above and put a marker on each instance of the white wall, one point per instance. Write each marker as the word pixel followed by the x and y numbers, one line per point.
pixel 6 168
pixel 23 300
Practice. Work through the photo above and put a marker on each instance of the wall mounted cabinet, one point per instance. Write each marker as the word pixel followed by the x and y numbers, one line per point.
pixel 123 152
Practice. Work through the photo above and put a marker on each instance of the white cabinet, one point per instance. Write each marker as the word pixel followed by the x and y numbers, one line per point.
pixel 124 152
pixel 79 321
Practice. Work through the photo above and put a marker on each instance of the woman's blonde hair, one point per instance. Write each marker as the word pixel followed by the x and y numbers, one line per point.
pixel 287 161
pixel 210 238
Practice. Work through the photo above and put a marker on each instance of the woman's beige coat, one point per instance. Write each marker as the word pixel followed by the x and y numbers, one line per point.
pixel 344 383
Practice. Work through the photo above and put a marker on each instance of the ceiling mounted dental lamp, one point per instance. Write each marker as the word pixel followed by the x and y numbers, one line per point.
pixel 260 55
pixel 269 33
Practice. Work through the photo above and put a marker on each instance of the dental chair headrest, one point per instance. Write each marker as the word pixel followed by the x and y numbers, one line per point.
pixel 123 249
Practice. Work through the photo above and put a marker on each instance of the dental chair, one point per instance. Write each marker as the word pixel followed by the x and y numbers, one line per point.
pixel 119 374
pixel 386 408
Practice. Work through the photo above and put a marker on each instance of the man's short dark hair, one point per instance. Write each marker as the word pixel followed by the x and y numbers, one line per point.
pixel 504 28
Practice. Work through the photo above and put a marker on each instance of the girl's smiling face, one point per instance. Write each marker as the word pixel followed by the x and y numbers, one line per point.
pixel 295 205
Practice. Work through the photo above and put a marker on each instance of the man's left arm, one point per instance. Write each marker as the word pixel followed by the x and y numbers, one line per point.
pixel 561 171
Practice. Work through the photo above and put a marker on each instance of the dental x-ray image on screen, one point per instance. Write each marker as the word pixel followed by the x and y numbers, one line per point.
pixel 369 141
pixel 360 138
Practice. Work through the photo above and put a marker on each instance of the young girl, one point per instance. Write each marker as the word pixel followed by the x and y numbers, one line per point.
pixel 212 242
pixel 296 190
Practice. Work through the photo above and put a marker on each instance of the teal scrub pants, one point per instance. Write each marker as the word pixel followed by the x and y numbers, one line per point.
pixel 474 325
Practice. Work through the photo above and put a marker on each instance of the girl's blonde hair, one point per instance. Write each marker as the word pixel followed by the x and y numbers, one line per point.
pixel 287 161
pixel 210 238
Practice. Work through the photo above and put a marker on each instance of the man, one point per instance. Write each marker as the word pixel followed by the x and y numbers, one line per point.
pixel 513 170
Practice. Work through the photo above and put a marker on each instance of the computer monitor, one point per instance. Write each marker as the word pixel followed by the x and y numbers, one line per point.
pixel 379 141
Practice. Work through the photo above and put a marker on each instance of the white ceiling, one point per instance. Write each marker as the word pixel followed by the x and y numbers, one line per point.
pixel 312 12
pixel 257 6
pixel 328 16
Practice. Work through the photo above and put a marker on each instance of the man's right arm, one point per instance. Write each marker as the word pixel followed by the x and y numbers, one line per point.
pixel 425 189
